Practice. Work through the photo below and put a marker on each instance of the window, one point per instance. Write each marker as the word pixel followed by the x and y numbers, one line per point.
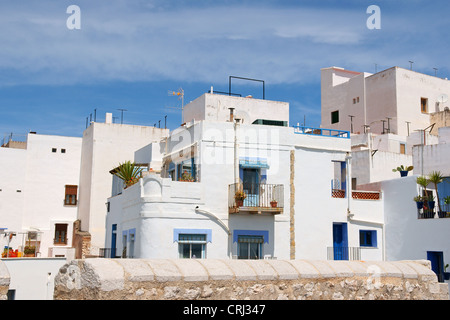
pixel 191 246
pixel 335 117
pixel 187 170
pixel 60 233
pixel 367 238
pixel 402 148
pixel 63 150
pixel 250 246
pixel 124 244
pixel 53 149
pixel 424 105
pixel 71 195
pixel 131 243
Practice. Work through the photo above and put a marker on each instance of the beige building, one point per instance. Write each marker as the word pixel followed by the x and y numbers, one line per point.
pixel 387 113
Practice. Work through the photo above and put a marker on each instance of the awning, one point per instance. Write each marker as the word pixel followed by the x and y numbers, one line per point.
pixel 253 163
pixel 250 235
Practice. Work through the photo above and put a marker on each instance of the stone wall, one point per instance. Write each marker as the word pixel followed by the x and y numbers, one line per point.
pixel 196 279
pixel 4 281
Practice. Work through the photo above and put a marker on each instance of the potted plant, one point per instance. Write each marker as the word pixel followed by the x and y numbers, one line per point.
pixel 436 177
pixel 403 170
pixel 29 251
pixel 186 176
pixel 431 202
pixel 129 172
pixel 419 202
pixel 239 197
pixel 446 274
pixel 447 205
pixel 273 203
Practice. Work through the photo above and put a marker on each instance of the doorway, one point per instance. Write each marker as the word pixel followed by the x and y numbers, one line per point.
pixel 340 241
pixel 251 182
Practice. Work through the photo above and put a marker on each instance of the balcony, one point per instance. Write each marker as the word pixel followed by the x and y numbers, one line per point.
pixel 322 132
pixel 356 194
pixel 431 212
pixel 259 198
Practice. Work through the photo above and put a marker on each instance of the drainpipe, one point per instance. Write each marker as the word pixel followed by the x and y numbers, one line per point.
pixel 219 221
pixel 236 149
pixel 348 160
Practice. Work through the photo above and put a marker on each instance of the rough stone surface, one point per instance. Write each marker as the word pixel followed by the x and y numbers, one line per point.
pixel 142 279
pixel 4 281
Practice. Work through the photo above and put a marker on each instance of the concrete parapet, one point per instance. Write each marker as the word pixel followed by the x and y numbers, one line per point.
pixel 4 281
pixel 198 279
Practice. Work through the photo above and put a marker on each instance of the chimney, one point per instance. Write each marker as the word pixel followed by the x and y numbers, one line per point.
pixel 231 114
pixel 108 118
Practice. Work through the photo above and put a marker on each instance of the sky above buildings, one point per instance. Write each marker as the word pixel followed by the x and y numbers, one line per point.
pixel 128 54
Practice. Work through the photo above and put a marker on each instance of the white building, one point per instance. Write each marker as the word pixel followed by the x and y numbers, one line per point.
pixel 164 217
pixel 104 146
pixel 388 114
pixel 39 193
pixel 398 117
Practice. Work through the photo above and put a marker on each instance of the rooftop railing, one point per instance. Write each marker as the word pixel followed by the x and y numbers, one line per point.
pixel 322 132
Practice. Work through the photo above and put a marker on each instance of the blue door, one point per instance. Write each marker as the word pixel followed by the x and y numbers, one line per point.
pixel 437 263
pixel 113 240
pixel 251 187
pixel 340 241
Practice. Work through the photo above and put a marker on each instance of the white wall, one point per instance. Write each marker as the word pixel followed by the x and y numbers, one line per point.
pixel 215 107
pixel 33 278
pixel 408 237
pixel 41 175
pixel 13 162
pixel 105 145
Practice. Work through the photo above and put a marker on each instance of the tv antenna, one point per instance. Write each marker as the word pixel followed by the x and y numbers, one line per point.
pixel 180 95
pixel 442 98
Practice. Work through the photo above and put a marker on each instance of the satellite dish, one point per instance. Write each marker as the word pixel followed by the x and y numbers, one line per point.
pixel 442 98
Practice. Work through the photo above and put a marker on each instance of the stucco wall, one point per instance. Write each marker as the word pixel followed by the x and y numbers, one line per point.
pixel 201 279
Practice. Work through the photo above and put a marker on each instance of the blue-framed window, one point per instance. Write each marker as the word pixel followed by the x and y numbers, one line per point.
pixel 192 242
pixel 368 238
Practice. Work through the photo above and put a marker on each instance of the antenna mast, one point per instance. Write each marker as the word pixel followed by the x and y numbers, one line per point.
pixel 180 94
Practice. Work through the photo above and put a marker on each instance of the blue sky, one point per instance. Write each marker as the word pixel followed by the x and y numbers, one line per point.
pixel 129 53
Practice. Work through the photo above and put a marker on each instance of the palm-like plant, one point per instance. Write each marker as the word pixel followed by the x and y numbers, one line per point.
pixel 435 177
pixel 423 182
pixel 128 172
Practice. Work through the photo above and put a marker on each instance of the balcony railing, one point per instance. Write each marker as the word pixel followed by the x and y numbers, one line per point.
pixel 322 132
pixel 343 253
pixel 259 198
pixel 107 252
pixel 427 212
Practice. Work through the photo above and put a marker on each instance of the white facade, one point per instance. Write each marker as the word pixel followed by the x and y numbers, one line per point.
pixel 33 192
pixel 388 101
pixel 104 146
pixel 149 217
pixel 33 278
pixel 407 235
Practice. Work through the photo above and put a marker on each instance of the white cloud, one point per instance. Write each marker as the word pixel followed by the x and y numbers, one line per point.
pixel 140 40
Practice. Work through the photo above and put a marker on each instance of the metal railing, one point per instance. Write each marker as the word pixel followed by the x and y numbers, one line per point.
pixel 322 132
pixel 107 252
pixel 343 253
pixel 256 195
